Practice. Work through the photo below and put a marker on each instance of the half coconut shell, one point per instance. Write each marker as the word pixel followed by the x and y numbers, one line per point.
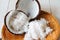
pixel 30 7
pixel 9 18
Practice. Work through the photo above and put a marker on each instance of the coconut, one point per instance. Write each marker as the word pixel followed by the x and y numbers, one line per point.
pixel 15 21
pixel 30 7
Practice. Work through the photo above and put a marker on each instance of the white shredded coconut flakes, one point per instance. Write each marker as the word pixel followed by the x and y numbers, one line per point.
pixel 38 29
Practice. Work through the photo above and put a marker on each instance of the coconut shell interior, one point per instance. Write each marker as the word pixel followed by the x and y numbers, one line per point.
pixel 30 7
pixel 53 23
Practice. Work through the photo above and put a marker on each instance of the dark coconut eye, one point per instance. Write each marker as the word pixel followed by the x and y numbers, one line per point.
pixel 15 21
pixel 30 7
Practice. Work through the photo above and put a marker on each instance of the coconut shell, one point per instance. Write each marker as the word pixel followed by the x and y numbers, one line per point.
pixel 53 23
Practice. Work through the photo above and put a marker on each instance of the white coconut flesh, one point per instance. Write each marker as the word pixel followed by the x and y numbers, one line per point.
pixel 30 7
pixel 38 29
pixel 16 21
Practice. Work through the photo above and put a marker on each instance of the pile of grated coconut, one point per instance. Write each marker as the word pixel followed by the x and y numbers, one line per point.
pixel 38 29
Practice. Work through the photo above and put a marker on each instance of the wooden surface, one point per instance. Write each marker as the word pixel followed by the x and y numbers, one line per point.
pixel 51 6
